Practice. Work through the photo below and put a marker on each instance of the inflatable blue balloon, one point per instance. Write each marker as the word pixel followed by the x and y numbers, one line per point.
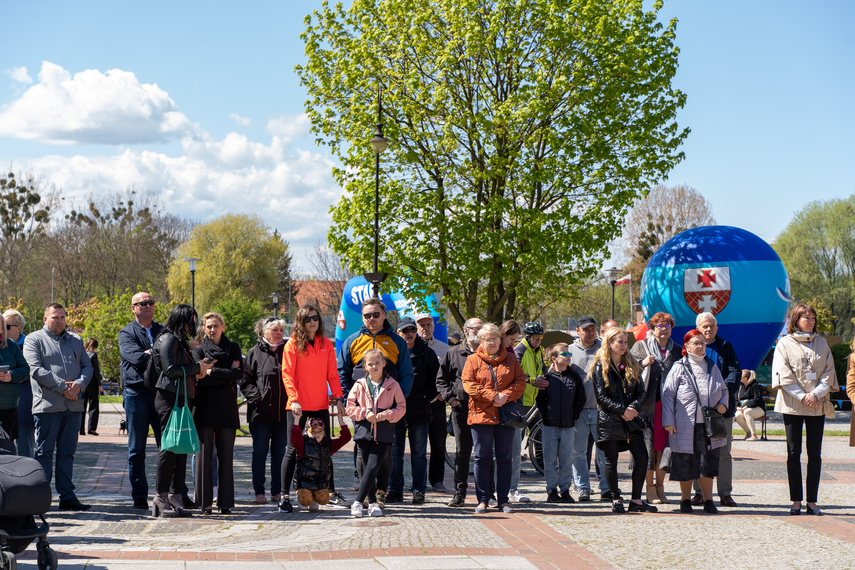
pixel 357 290
pixel 728 272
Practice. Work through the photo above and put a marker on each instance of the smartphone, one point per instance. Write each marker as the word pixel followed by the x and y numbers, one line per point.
pixel 4 368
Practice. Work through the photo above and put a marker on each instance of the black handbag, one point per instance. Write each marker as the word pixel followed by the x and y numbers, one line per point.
pixel 512 414
pixel 714 427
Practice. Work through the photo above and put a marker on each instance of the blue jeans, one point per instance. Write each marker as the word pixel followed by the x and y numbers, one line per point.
pixel 417 434
pixel 484 438
pixel 516 459
pixel 587 424
pixel 26 425
pixel 140 414
pixel 558 445
pixel 267 437
pixel 58 430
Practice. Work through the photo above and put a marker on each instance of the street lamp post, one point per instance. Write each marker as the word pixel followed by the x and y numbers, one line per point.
pixel 275 298
pixel 192 261
pixel 378 145
pixel 613 273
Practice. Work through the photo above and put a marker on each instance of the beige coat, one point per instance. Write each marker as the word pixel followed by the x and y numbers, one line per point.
pixel 850 391
pixel 790 366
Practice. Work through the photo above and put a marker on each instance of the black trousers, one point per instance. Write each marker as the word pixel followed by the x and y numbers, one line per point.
pixel 171 468
pixel 224 440
pixel 611 449
pixel 375 467
pixel 289 462
pixel 91 401
pixel 437 436
pixel 814 426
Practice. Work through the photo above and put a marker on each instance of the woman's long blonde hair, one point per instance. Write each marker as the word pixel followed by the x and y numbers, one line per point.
pixel 604 357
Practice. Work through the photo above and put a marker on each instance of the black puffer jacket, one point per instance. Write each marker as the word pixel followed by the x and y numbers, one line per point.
pixel 215 404
pixel 314 467
pixel 751 396
pixel 425 369
pixel 613 401
pixel 449 382
pixel 262 384
pixel 561 402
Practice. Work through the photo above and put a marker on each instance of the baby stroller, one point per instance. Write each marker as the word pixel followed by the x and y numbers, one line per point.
pixel 24 493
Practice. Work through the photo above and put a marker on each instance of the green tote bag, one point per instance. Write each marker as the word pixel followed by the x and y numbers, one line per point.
pixel 180 434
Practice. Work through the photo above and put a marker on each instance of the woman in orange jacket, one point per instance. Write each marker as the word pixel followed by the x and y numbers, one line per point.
pixel 492 377
pixel 310 375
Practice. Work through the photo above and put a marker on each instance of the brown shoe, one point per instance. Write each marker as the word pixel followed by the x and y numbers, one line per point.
pixel 727 501
pixel 698 499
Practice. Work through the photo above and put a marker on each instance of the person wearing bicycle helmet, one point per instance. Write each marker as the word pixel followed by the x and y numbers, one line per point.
pixel 532 358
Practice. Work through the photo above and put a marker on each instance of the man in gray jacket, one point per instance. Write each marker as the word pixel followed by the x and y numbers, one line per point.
pixel 59 371
pixel 581 359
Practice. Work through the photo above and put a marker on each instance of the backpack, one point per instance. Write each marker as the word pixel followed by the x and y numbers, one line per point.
pixel 152 369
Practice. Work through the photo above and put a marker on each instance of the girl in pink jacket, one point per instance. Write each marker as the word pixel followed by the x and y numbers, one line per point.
pixel 374 404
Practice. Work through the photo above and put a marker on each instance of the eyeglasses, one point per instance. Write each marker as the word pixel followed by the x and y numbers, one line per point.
pixel 408 330
pixel 696 343
pixel 144 304
pixel 313 318
pixel 536 337
pixel 374 315
pixel 666 326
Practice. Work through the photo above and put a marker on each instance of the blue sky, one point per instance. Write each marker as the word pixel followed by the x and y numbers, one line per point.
pixel 199 102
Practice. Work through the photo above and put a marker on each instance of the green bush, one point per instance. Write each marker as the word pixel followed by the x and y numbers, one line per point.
pixel 240 313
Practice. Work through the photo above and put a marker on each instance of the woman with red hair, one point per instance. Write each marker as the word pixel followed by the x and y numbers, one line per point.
pixel 694 382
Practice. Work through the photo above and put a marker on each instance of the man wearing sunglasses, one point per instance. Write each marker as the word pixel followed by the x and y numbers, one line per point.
pixel 135 342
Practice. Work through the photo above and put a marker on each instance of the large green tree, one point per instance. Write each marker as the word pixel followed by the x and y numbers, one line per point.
pixel 520 133
pixel 238 252
pixel 818 250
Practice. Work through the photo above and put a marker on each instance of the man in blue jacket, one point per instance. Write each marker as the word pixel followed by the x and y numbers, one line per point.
pixel 376 332
pixel 135 342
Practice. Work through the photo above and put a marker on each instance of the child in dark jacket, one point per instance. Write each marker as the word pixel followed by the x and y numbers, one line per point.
pixel 560 405
pixel 314 461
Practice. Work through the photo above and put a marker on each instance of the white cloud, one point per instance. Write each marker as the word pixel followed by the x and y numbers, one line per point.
pixel 289 126
pixel 242 121
pixel 20 75
pixel 291 190
pixel 93 107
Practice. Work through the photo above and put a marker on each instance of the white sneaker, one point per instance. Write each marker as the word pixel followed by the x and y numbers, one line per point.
pixel 356 509
pixel 313 506
pixel 374 510
pixel 516 497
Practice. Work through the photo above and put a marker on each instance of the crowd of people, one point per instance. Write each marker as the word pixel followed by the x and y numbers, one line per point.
pixel 671 407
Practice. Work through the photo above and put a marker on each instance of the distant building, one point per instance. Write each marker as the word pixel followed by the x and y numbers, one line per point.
pixel 326 295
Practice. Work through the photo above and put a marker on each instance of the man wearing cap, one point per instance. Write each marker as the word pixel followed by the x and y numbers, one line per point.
pixel 414 425
pixel 437 429
pixel 582 353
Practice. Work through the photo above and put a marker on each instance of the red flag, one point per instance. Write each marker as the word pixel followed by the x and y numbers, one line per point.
pixel 625 280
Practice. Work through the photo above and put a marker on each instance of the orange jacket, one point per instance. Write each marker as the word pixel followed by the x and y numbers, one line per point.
pixel 311 376
pixel 478 383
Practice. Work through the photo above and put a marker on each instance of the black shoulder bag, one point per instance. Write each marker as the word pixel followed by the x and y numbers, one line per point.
pixel 512 414
pixel 714 427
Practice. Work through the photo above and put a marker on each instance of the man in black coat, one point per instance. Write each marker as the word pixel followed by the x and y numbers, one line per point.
pixel 135 342
pixel 415 424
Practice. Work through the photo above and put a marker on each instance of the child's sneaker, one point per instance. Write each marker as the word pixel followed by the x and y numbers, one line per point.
pixel 374 510
pixel 313 506
pixel 380 498
pixel 356 509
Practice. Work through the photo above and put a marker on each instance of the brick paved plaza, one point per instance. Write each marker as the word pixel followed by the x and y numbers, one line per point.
pixel 540 535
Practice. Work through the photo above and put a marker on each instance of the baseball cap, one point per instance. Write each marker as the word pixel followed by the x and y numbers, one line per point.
pixel 586 322
pixel 406 323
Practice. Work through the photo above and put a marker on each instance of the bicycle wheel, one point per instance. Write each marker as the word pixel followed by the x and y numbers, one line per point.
pixel 535 447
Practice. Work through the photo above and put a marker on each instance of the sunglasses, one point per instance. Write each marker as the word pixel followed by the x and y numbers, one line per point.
pixel 8 327
pixel 563 354
pixel 666 326
pixel 144 304
pixel 374 315
pixel 408 330
pixel 537 336
pixel 313 318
